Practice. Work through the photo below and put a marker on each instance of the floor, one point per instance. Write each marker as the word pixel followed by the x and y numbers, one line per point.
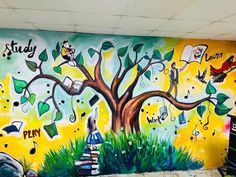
pixel 195 173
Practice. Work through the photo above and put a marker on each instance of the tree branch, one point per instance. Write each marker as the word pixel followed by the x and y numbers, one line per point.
pixel 115 84
pixel 118 79
pixel 53 97
pixel 133 106
pixel 128 94
pixel 85 72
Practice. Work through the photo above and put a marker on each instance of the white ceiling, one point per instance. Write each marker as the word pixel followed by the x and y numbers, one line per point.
pixel 206 19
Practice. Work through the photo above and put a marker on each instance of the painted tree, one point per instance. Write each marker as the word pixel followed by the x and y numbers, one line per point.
pixel 126 107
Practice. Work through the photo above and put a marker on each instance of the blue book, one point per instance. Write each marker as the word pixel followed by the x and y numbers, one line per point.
pixel 182 118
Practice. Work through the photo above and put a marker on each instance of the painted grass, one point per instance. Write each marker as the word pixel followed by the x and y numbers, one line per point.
pixel 121 153
pixel 61 163
pixel 137 153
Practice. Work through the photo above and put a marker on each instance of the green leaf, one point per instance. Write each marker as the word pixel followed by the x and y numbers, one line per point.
pixel 43 56
pixel 221 109
pixel 201 110
pixel 58 47
pixel 137 48
pixel 156 55
pixel 19 85
pixel 148 75
pixel 79 59
pixel 107 45
pixel 210 89
pixel 91 52
pixel 128 62
pixel 57 69
pixel 32 98
pixel 55 54
pixel 31 65
pixel 58 115
pixel 169 55
pixel 139 68
pixel 122 51
pixel 23 99
pixel 43 108
pixel 146 57
pixel 221 98
pixel 51 130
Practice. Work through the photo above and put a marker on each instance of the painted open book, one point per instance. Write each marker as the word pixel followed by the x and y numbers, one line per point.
pixel 72 86
pixel 193 53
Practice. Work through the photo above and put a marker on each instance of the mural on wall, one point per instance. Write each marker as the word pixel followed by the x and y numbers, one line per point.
pixel 82 104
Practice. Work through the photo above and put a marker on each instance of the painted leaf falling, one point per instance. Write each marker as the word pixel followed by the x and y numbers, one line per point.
pixel 210 89
pixel 148 75
pixel 31 65
pixel 91 52
pixel 128 62
pixel 51 129
pixel 138 47
pixel 122 51
pixel 58 116
pixel 201 110
pixel 32 98
pixel 221 98
pixel 107 45
pixel 43 108
pixel 139 68
pixel 23 99
pixel 169 55
pixel 55 54
pixel 156 55
pixel 58 47
pixel 57 69
pixel 43 56
pixel 221 109
pixel 79 59
pixel 19 85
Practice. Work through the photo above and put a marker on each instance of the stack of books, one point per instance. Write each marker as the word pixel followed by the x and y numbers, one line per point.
pixel 88 163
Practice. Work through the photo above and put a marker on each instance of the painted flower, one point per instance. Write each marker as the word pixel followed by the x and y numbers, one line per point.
pixel 123 152
pixel 130 143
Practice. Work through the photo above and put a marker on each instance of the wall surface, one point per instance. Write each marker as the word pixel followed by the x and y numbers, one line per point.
pixel 100 104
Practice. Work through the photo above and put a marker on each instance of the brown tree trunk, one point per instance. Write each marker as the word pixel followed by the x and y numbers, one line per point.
pixel 116 120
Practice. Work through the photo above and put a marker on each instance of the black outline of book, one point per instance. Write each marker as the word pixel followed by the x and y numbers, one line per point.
pixel 181 118
pixel 70 87
pixel 13 128
pixel 93 100
pixel 188 61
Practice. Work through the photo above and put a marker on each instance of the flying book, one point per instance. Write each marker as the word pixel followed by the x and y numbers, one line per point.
pixel 163 112
pixel 193 53
pixel 93 100
pixel 72 86
pixel 14 127
pixel 182 118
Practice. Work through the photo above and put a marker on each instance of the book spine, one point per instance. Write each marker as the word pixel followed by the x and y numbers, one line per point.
pixel 88 166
